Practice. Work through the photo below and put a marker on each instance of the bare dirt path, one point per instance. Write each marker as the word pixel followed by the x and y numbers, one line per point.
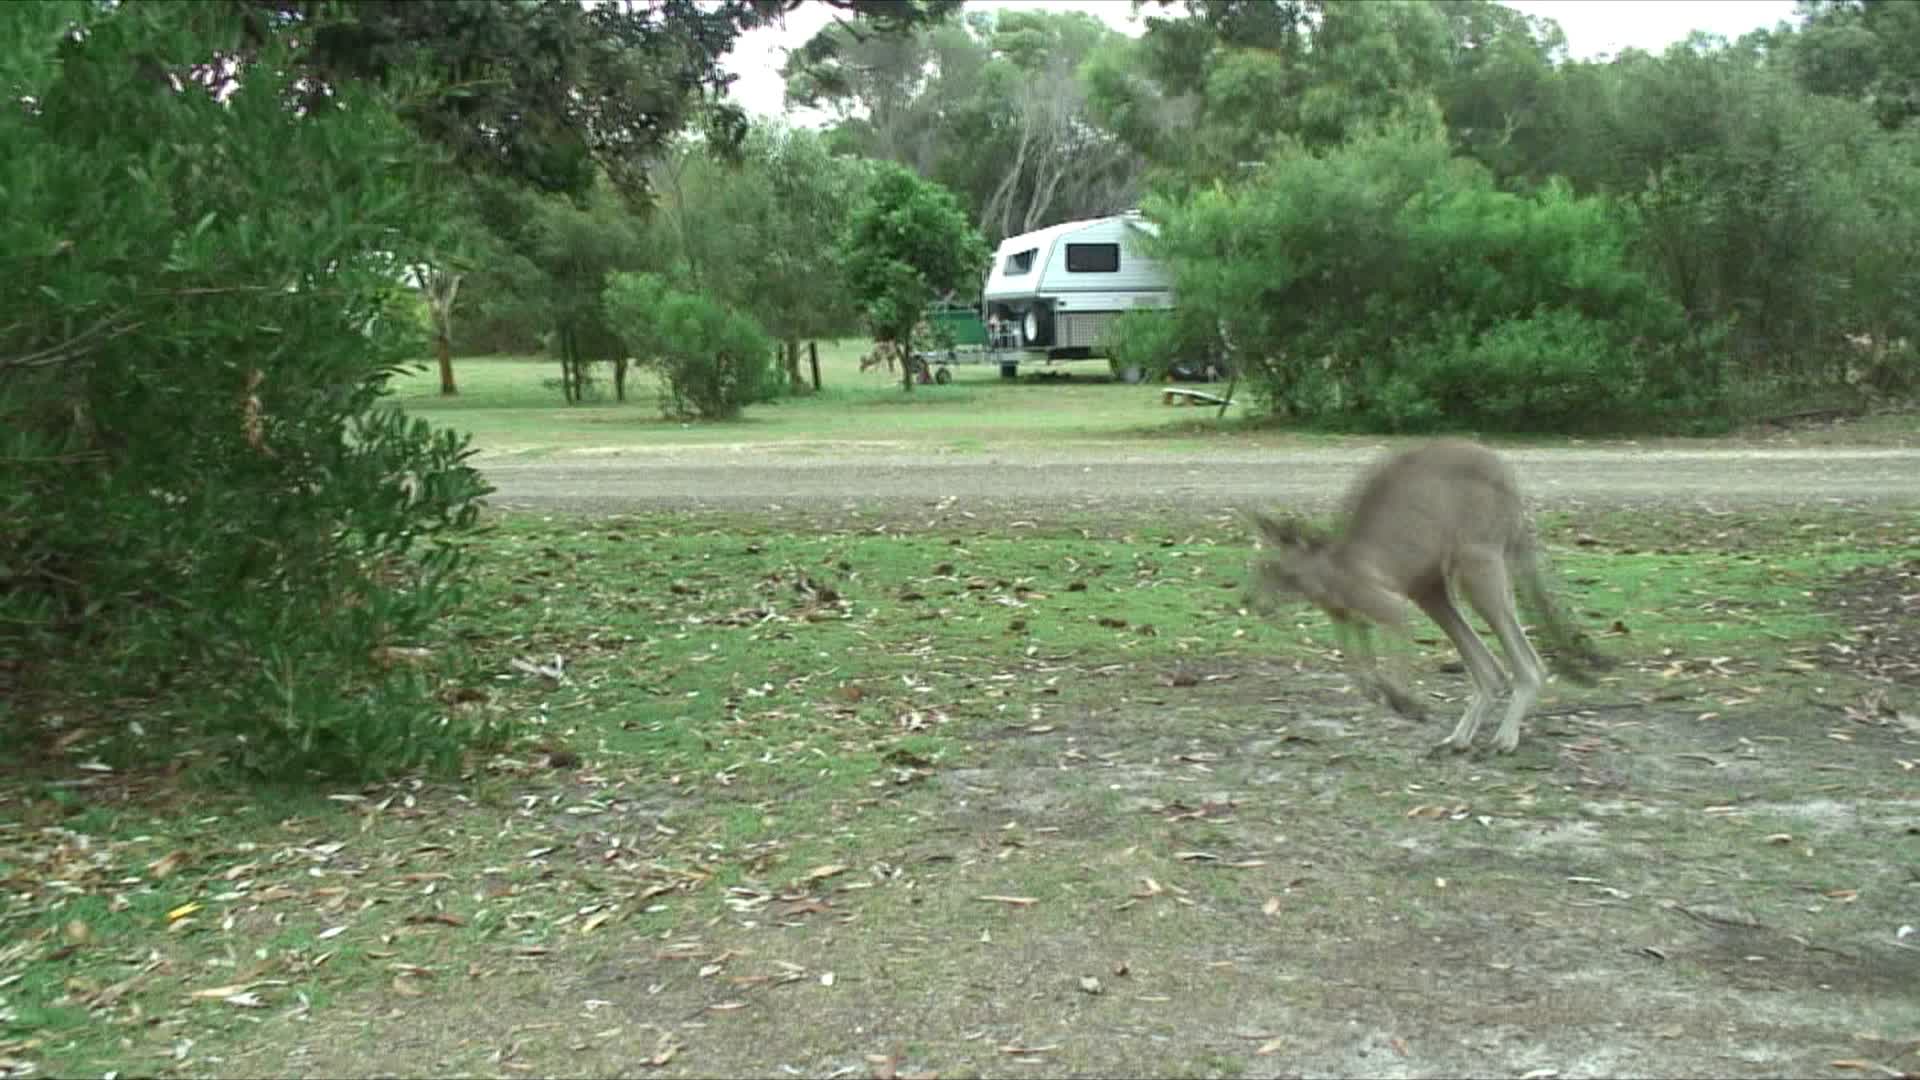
pixel 758 477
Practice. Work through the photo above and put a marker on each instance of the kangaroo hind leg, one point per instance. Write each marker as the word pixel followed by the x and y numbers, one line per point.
pixel 1489 588
pixel 1481 667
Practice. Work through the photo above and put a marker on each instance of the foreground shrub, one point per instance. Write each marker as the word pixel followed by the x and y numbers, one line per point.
pixel 203 502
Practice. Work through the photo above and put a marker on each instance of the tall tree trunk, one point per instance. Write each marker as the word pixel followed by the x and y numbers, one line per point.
pixel 569 367
pixel 813 356
pixel 444 348
pixel 440 287
pixel 906 360
pixel 620 378
pixel 794 379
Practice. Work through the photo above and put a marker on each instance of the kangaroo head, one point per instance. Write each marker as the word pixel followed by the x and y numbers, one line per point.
pixel 1297 560
pixel 1292 557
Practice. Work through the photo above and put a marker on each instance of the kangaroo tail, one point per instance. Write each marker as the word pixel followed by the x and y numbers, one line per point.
pixel 1573 655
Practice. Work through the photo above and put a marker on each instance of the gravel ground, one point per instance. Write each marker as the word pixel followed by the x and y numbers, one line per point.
pixel 1074 481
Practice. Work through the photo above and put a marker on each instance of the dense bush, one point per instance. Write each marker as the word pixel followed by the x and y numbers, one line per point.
pixel 201 496
pixel 1387 284
pixel 1154 341
pixel 713 361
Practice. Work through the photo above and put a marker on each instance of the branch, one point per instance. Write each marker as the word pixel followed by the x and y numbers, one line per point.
pixel 71 349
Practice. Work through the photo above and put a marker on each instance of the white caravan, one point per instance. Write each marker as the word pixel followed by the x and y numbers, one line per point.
pixel 1052 293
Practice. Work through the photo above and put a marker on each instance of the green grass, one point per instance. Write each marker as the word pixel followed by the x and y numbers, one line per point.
pixel 762 714
pixel 505 403
pixel 512 406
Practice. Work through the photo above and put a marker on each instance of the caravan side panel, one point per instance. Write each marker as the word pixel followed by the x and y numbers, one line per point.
pixel 1135 273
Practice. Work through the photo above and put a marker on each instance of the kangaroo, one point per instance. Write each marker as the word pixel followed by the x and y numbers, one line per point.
pixel 1447 513
pixel 884 352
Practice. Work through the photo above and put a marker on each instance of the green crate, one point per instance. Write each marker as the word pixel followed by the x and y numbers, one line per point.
pixel 962 322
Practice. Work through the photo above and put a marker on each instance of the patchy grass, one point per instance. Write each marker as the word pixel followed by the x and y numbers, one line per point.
pixel 508 406
pixel 512 406
pixel 977 798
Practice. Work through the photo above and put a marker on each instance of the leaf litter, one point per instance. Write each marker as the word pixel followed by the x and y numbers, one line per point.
pixel 597 849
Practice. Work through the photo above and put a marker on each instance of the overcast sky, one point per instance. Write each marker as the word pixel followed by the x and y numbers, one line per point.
pixel 1593 28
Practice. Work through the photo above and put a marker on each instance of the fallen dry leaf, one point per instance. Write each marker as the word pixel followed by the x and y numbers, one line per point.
pixel 162 868
pixel 663 1051
pixel 212 993
pixel 1869 1066
pixel 441 917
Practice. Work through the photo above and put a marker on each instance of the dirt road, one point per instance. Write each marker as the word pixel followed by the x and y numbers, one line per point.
pixel 1070 481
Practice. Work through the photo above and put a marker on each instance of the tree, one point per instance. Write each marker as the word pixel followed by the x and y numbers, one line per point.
pixel 545 93
pixel 203 498
pixel 908 242
pixel 554 96
pixel 1061 165
pixel 790 201
pixel 1863 50
pixel 756 231
pixel 439 285
pixel 1745 194
pixel 991 107
pixel 1498 86
pixel 1211 95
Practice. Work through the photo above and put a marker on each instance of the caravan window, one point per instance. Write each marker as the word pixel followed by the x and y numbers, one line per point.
pixel 1020 262
pixel 1093 258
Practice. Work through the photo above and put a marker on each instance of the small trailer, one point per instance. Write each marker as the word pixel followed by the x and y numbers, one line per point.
pixel 1051 294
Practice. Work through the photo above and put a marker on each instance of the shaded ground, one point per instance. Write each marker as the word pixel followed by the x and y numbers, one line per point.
pixel 1256 876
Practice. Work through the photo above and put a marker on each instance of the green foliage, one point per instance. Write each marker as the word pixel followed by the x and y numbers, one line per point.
pixel 541 265
pixel 201 495
pixel 1500 85
pixel 714 360
pixel 1206 97
pixel 758 232
pixel 1752 198
pixel 1864 50
pixel 908 240
pixel 545 93
pixel 990 107
pixel 1386 284
pixel 1154 341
